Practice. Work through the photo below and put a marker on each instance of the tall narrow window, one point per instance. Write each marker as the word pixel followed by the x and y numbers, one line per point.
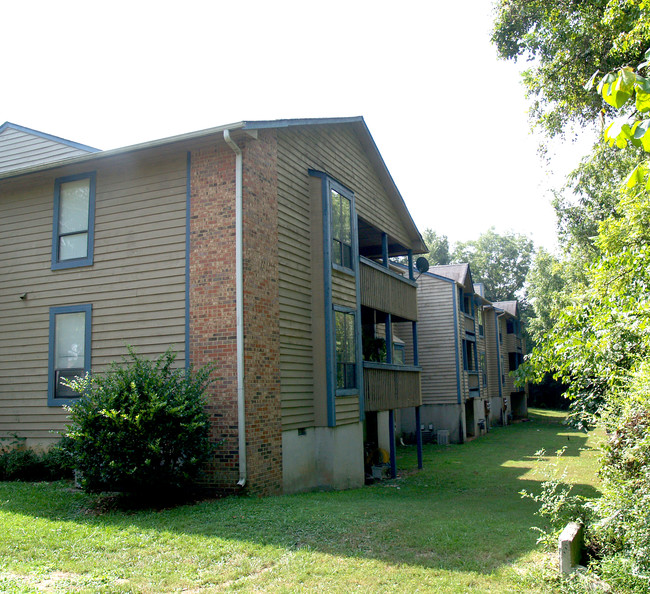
pixel 341 229
pixel 346 358
pixel 69 349
pixel 481 329
pixel 74 207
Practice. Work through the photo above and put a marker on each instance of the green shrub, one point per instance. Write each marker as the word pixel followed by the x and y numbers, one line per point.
pixel 140 428
pixel 18 463
pixel 558 506
pixel 623 528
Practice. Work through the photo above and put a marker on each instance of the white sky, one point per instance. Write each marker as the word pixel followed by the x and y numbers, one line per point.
pixel 448 117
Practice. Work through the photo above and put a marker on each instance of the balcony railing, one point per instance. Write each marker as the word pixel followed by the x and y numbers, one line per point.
pixel 384 290
pixel 388 387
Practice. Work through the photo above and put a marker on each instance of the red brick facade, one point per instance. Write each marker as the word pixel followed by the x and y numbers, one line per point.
pixel 212 316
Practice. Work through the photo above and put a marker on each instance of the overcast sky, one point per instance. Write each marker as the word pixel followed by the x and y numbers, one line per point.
pixel 448 117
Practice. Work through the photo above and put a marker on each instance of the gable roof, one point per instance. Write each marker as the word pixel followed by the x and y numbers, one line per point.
pixel 510 307
pixel 358 124
pixel 22 147
pixel 456 272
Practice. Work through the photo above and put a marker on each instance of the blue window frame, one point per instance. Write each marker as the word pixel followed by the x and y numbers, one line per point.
pixel 342 229
pixel 74 221
pixel 69 350
pixel 346 350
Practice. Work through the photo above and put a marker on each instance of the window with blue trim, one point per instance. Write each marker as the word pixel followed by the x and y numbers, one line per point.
pixel 74 215
pixel 346 351
pixel 69 351
pixel 341 213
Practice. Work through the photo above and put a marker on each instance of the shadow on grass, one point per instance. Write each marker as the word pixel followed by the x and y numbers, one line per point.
pixel 463 512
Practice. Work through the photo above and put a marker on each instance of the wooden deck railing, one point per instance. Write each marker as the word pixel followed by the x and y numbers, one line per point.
pixel 387 291
pixel 388 387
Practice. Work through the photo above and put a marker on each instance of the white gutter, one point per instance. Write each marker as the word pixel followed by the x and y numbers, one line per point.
pixel 239 298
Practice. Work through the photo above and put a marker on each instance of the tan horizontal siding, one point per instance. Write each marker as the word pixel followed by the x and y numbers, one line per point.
pixel 20 149
pixel 344 289
pixel 437 341
pixel 347 410
pixel 136 284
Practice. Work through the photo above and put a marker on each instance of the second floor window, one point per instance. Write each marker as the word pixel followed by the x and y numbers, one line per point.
pixel 74 207
pixel 341 229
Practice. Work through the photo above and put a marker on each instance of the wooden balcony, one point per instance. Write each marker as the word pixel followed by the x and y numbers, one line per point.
pixel 385 290
pixel 388 387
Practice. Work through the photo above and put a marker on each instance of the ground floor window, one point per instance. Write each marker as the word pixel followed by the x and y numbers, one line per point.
pixel 69 348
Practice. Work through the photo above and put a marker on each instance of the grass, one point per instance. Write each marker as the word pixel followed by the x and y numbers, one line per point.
pixel 457 526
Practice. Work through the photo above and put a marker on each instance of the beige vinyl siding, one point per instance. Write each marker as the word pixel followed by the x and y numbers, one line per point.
pixel 491 354
pixel 436 341
pixel 347 410
pixel 336 151
pixel 136 284
pixel 344 289
pixel 19 149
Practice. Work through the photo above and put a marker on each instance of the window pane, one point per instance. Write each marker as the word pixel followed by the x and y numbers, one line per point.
pixel 336 215
pixel 70 334
pixel 337 258
pixel 73 206
pixel 73 246
pixel 345 350
pixel 346 231
pixel 346 256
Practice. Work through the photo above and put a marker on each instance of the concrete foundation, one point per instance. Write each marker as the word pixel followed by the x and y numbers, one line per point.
pixel 461 421
pixel 322 458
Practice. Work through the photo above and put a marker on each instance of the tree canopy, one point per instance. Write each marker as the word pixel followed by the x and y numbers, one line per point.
pixel 500 262
pixel 566 41
pixel 438 247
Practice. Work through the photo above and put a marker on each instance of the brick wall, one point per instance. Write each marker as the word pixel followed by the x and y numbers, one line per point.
pixel 213 336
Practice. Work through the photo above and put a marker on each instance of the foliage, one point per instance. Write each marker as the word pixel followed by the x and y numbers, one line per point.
pixel 546 284
pixel 595 190
pixel 438 247
pixel 624 509
pixel 558 506
pixel 139 428
pixel 500 262
pixel 18 463
pixel 566 41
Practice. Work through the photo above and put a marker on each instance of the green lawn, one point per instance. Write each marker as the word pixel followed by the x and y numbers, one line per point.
pixel 459 525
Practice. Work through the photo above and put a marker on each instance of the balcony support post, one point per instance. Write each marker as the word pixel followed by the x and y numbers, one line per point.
pixel 384 248
pixel 416 354
pixel 391 438
pixel 410 259
pixel 418 436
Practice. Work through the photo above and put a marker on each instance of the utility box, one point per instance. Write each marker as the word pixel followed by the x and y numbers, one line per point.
pixel 442 437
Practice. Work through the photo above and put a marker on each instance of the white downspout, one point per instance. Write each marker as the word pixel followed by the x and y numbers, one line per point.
pixel 239 299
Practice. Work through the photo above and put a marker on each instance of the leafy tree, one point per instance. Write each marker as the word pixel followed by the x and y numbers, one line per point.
pixel 500 262
pixel 567 40
pixel 438 247
pixel 594 188
pixel 546 285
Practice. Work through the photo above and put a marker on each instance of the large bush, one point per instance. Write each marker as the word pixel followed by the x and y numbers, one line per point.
pixel 139 428
pixel 622 531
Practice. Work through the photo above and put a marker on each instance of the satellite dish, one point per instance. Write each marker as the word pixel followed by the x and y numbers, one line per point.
pixel 422 264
